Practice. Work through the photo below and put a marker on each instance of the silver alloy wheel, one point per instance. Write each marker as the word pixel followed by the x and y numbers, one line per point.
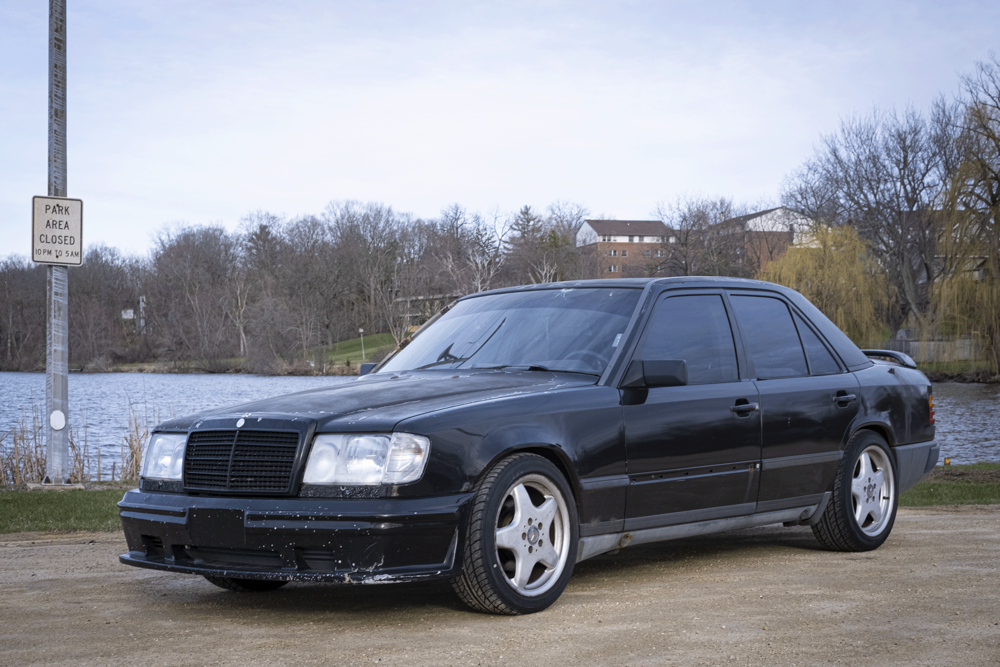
pixel 872 490
pixel 532 539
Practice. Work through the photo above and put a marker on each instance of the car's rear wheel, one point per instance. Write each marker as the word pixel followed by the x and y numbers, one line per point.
pixel 246 585
pixel 862 510
pixel 521 542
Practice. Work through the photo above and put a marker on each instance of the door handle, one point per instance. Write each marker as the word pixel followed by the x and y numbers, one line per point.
pixel 844 398
pixel 745 408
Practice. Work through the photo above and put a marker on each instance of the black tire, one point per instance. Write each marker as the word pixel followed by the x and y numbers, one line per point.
pixel 246 585
pixel 862 510
pixel 511 499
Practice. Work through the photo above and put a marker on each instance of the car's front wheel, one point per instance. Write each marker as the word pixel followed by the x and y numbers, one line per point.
pixel 521 542
pixel 862 510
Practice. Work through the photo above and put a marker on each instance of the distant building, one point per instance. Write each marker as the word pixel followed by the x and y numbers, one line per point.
pixel 626 248
pixel 779 220
pixel 766 235
pixel 744 244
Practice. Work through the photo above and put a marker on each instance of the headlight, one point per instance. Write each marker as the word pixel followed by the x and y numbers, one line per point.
pixel 398 458
pixel 164 456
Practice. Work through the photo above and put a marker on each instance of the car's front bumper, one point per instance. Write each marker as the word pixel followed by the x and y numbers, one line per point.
pixel 337 540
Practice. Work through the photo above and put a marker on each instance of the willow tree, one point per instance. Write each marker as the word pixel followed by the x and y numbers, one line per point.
pixel 834 269
pixel 970 306
pixel 969 299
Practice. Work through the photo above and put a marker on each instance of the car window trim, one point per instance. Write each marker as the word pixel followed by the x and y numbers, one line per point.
pixel 687 290
pixel 822 341
pixel 615 369
pixel 791 311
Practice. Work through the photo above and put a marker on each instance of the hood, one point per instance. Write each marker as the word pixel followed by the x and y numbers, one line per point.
pixel 378 402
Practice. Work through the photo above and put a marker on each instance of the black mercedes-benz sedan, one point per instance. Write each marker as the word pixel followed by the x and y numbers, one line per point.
pixel 523 430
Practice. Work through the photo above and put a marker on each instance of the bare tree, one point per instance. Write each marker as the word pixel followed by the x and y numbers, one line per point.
pixel 262 236
pixel 272 344
pixel 467 249
pixel 22 314
pixel 699 243
pixel 188 292
pixel 566 218
pixel 382 248
pixel 485 258
pixel 884 173
pixel 976 189
pixel 543 249
pixel 408 280
pixel 105 318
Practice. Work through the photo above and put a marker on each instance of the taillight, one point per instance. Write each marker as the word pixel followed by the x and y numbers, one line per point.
pixel 930 404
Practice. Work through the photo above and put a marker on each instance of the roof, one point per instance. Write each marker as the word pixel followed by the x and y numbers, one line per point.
pixel 629 227
pixel 853 358
pixel 750 216
pixel 780 219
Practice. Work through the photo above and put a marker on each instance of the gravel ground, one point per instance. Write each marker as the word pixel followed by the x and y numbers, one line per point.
pixel 766 596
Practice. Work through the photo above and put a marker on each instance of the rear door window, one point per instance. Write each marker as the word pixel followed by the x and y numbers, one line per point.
pixel 821 362
pixel 771 336
pixel 694 328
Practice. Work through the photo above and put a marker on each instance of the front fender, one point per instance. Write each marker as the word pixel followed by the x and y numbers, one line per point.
pixel 578 428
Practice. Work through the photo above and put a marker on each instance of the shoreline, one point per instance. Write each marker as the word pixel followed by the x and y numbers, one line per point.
pixel 171 369
pixel 965 377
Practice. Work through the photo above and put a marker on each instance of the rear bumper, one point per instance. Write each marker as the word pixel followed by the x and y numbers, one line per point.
pixel 914 461
pixel 346 541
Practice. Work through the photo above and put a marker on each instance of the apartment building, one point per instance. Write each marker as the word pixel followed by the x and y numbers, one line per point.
pixel 626 248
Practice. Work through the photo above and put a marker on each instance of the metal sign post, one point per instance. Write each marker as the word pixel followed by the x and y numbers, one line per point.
pixel 57 240
pixel 57 467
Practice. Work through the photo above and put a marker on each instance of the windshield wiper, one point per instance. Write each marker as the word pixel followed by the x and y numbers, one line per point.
pixel 439 363
pixel 567 370
pixel 530 367
pixel 446 357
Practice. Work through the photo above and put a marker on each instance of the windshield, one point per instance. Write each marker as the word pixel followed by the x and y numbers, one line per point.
pixel 573 330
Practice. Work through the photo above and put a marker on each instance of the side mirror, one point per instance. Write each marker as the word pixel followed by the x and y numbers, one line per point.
pixel 366 368
pixel 659 373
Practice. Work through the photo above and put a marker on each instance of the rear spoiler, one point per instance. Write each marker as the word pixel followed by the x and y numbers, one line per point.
pixel 898 357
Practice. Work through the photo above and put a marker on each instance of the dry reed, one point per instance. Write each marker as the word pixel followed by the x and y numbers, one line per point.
pixel 134 443
pixel 22 451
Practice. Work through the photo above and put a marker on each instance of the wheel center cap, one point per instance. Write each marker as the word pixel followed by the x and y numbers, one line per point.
pixel 532 535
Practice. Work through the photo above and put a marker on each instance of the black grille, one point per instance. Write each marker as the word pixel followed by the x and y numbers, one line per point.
pixel 240 460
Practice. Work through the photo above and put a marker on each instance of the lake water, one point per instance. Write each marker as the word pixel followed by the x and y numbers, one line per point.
pixel 100 403
pixel 968 415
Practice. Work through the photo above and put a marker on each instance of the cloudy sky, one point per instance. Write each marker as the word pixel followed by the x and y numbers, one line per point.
pixel 199 112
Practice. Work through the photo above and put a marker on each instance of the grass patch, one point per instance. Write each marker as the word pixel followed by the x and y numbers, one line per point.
pixel 973 484
pixel 22 511
pixel 97 510
pixel 927 494
pixel 350 350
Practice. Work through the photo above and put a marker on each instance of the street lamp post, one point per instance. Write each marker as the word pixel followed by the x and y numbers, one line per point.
pixel 362 332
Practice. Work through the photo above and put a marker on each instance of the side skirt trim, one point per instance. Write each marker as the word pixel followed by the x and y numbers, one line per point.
pixel 599 544
pixel 801 460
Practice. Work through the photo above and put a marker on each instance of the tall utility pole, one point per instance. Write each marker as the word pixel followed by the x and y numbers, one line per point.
pixel 57 469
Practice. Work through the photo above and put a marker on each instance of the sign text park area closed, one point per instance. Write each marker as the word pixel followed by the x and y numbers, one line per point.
pixel 57 230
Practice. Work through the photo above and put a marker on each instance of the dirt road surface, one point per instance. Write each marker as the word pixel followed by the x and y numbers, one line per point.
pixel 767 596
